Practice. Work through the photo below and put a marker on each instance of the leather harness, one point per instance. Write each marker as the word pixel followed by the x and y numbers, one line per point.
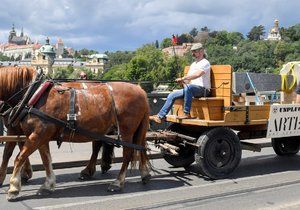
pixel 71 121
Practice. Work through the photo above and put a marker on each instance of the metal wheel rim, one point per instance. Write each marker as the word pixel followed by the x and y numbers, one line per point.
pixel 220 153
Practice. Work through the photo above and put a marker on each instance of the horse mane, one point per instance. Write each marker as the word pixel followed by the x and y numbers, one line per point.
pixel 14 78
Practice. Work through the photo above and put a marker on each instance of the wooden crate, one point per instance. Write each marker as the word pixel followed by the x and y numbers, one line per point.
pixel 202 108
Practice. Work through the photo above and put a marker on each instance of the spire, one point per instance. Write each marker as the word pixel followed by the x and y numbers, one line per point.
pixel 22 34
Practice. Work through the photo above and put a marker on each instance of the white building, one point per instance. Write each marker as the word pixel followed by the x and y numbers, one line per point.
pixel 97 63
pixel 274 34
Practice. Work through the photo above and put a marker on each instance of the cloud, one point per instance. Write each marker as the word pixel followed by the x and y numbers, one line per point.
pixel 128 24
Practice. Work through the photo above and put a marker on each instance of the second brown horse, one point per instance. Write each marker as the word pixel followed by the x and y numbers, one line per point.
pixel 98 109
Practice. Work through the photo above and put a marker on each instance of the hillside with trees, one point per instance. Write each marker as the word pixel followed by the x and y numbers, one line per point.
pixel 251 53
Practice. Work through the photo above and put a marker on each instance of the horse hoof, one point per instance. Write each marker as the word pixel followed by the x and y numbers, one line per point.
pixel 105 169
pixel 11 196
pixel 44 191
pixel 84 177
pixel 25 180
pixel 146 179
pixel 115 187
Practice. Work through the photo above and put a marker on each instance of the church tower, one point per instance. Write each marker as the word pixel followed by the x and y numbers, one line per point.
pixel 12 34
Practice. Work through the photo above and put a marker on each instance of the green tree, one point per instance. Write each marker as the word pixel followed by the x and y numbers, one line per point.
pixel 4 57
pixel 205 29
pixel 117 72
pixel 235 37
pixel 193 32
pixel 156 44
pixel 282 50
pixel 137 69
pixel 167 42
pixel 291 34
pixel 256 33
pixel 119 57
pixel 185 38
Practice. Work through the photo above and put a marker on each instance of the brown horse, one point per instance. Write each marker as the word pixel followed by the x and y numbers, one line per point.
pixel 107 152
pixel 98 109
pixel 26 174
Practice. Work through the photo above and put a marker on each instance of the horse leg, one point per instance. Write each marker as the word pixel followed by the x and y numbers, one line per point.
pixel 144 169
pixel 49 184
pixel 7 153
pixel 30 146
pixel 140 138
pixel 26 172
pixel 118 184
pixel 90 169
pixel 107 156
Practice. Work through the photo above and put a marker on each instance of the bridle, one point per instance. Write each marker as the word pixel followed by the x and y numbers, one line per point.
pixel 8 107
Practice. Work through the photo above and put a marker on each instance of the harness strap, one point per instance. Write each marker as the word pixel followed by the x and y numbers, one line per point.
pixel 110 89
pixel 84 132
pixel 71 117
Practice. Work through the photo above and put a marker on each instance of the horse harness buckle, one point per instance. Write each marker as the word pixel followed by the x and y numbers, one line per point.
pixel 71 117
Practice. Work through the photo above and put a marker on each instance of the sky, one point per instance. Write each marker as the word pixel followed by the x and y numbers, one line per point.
pixel 112 25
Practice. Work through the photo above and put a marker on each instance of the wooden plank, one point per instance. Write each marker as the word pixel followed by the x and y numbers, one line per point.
pixel 12 138
pixel 199 122
pixel 203 108
pixel 221 92
pixel 221 68
pixel 220 83
pixel 226 76
pixel 255 113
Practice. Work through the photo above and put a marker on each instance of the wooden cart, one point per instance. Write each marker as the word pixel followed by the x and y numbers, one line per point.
pixel 214 138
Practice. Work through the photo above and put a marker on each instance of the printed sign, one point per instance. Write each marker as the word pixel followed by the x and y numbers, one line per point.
pixel 284 121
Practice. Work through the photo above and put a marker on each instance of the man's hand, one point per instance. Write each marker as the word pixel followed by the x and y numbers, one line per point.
pixel 181 81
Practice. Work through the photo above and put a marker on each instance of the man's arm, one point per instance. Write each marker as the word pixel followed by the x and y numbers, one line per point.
pixel 195 75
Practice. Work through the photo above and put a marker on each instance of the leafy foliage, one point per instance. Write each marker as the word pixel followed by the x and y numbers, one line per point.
pixel 251 54
pixel 4 58
pixel 256 33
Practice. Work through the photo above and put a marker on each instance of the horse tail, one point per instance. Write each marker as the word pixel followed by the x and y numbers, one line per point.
pixel 139 138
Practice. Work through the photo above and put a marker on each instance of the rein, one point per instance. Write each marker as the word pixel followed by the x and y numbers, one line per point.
pixel 82 131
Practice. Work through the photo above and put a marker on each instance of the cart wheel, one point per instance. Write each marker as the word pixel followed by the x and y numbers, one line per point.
pixel 219 152
pixel 186 154
pixel 286 145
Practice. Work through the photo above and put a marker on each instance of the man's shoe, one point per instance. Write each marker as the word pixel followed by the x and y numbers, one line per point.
pixel 156 119
pixel 185 116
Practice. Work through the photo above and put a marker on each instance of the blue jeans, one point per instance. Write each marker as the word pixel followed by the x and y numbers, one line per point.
pixel 187 93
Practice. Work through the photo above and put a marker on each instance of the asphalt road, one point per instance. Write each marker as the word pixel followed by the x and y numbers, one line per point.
pixel 262 181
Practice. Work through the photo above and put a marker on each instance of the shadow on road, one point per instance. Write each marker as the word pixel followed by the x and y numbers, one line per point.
pixel 165 178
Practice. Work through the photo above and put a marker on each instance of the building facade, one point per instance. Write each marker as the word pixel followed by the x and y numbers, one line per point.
pixel 97 63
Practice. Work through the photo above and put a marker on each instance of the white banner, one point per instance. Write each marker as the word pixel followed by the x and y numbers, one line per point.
pixel 284 121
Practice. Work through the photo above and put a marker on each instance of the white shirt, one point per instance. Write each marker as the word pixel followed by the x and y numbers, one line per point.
pixel 204 80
